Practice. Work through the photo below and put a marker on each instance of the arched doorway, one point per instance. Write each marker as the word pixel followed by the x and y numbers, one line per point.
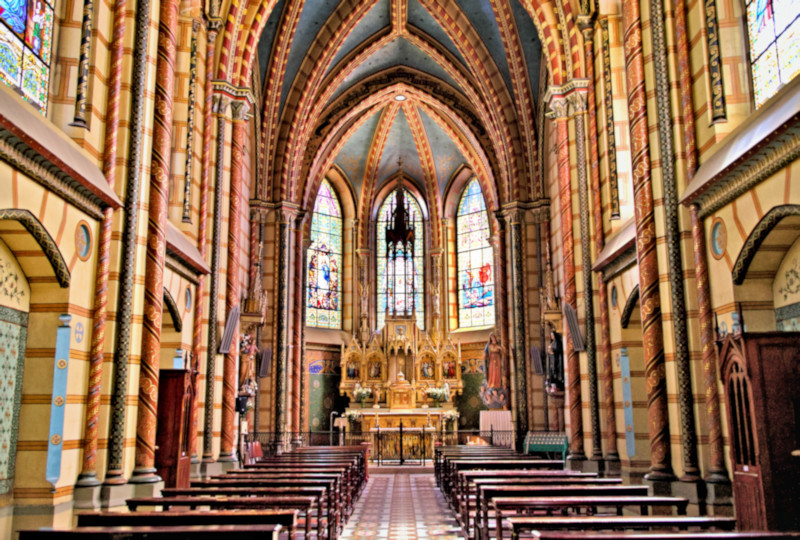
pixel 760 369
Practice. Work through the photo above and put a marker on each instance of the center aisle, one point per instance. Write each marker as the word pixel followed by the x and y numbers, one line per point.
pixel 401 507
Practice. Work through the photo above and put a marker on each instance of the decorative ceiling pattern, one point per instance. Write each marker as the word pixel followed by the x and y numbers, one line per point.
pixel 363 84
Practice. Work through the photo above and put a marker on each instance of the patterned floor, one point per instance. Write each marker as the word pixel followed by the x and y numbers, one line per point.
pixel 401 507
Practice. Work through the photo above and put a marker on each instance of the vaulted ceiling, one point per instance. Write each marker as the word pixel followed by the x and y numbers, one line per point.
pixel 366 85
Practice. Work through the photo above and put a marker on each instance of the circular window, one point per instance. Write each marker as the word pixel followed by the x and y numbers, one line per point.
pixel 83 240
pixel 614 296
pixel 719 238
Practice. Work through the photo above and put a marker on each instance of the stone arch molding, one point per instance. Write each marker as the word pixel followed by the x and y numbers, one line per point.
pixel 174 312
pixel 630 305
pixel 760 233
pixel 43 238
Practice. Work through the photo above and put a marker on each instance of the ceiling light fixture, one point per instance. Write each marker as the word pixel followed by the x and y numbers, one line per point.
pixel 399 97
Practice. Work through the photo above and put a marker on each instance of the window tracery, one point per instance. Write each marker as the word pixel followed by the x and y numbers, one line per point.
pixel 774 31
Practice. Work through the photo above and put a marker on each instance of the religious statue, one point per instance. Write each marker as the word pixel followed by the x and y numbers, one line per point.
pixel 555 360
pixel 376 393
pixel 247 352
pixel 493 355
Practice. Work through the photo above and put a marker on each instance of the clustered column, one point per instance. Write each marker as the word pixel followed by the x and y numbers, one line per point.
pixel 649 297
pixel 520 358
pixel 285 216
pixel 559 107
pixel 156 245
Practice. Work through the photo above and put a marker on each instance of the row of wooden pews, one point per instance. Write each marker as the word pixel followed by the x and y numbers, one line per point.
pixel 308 493
pixel 497 493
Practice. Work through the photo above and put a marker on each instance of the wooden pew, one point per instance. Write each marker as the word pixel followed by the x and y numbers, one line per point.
pixel 304 504
pixel 332 503
pixel 342 485
pixel 467 479
pixel 684 535
pixel 318 492
pixel 502 506
pixel 528 481
pixel 285 518
pixel 487 492
pixel 194 532
pixel 452 468
pixel 521 525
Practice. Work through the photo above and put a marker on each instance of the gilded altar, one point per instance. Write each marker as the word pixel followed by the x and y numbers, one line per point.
pixel 398 366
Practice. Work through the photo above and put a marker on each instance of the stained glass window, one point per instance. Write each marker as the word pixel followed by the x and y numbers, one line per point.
pixel 26 42
pixel 324 292
pixel 774 30
pixel 475 260
pixel 408 274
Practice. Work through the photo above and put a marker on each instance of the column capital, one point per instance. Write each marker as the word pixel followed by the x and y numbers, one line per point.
pixel 579 101
pixel 240 110
pixel 220 104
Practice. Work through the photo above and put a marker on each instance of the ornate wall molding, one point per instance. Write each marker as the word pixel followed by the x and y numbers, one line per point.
pixel 187 175
pixel 43 238
pixel 757 237
pixel 630 304
pixel 717 108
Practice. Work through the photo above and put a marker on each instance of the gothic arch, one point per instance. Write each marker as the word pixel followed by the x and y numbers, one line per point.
pixel 630 305
pixel 756 238
pixel 174 312
pixel 43 238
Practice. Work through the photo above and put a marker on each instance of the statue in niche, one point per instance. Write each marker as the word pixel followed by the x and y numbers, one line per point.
pixel 555 361
pixel 493 356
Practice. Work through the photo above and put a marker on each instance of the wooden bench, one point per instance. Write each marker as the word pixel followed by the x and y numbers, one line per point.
pixel 194 532
pixel 684 535
pixel 503 506
pixel 487 492
pixel 319 494
pixel 285 518
pixel 521 525
pixel 304 504
pixel 452 468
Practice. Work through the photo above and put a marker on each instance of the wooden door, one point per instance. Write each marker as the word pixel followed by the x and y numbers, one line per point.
pixel 761 373
pixel 173 458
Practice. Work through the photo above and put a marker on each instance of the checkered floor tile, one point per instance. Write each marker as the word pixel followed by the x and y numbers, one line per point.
pixel 401 507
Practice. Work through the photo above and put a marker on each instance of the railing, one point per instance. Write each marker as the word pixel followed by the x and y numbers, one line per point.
pixel 393 446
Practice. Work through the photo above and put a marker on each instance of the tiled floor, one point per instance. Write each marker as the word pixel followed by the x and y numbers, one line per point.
pixel 401 507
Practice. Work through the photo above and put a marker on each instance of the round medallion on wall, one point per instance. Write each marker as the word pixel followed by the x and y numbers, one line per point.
pixel 188 300
pixel 719 238
pixel 614 296
pixel 83 241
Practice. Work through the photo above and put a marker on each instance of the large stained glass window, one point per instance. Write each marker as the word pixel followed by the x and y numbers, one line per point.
pixel 475 260
pixel 324 289
pixel 26 42
pixel 774 30
pixel 408 274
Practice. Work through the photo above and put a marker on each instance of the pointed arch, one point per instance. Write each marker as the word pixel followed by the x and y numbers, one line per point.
pixel 43 238
pixel 630 304
pixel 174 311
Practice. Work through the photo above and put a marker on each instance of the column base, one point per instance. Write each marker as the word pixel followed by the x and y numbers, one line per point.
pixel 695 492
pixel 115 495
pixel 576 461
pixel 228 457
pixel 659 486
pixel 229 466
pixel 195 471
pixel 719 499
pixel 144 475
pixel 87 497
pixel 151 489
pixel 208 470
pixel 613 466
pixel 594 465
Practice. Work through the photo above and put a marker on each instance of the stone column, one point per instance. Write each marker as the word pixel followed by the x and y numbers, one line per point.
pixel 202 229
pixel 717 472
pixel 436 290
pixel 518 299
pixel 559 107
pixel 611 455
pixel 579 105
pixel 298 302
pixel 147 411
pixel 233 287
pixel 285 217
pixel 303 426
pixel 649 297
pixel 498 241
pixel 363 293
pixel 127 264
pixel 88 474
pixel 220 106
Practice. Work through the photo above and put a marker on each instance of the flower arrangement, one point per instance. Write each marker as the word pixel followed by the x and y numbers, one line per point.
pixel 352 416
pixel 450 416
pixel 437 394
pixel 361 394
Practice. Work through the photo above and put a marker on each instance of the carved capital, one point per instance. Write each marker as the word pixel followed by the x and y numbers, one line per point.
pixel 240 110
pixel 579 101
pixel 559 107
pixel 220 104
